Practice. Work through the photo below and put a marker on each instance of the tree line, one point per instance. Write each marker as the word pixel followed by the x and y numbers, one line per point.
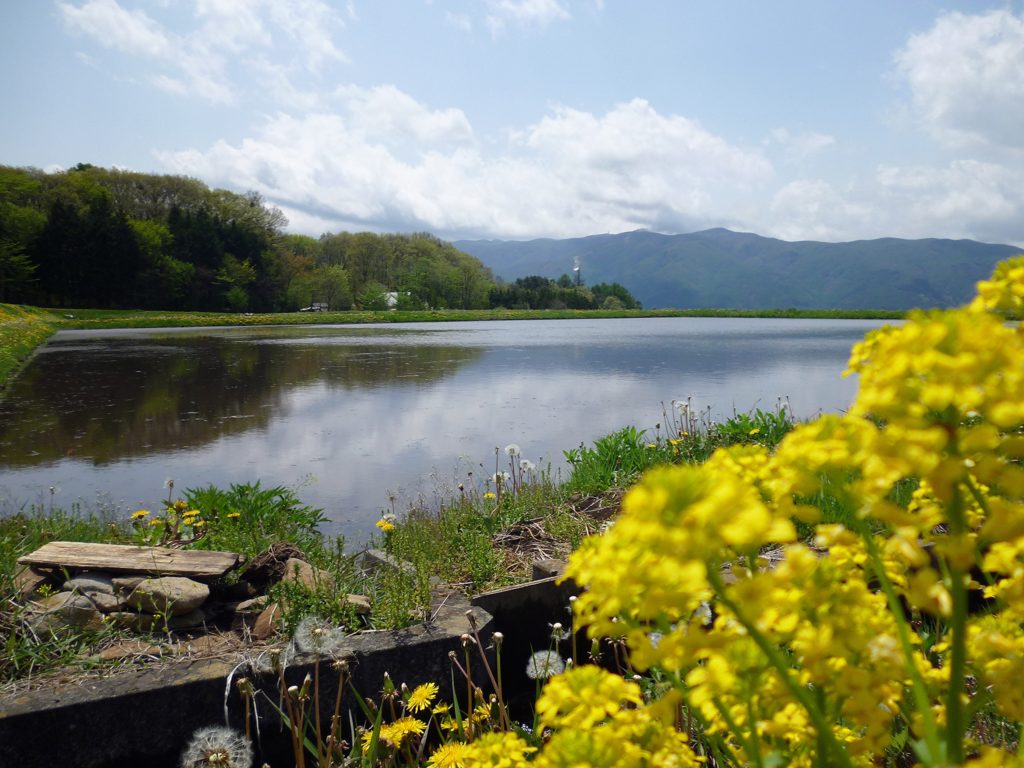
pixel 106 238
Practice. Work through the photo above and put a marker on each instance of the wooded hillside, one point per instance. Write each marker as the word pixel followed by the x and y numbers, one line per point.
pixel 102 238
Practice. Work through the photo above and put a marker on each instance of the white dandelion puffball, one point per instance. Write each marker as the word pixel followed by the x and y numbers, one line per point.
pixel 527 465
pixel 315 635
pixel 217 746
pixel 544 664
pixel 512 449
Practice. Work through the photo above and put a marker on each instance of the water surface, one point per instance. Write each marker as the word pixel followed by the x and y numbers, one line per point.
pixel 360 413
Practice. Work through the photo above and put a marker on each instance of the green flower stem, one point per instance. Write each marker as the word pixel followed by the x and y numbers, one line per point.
pixel 921 698
pixel 800 693
pixel 749 739
pixel 956 724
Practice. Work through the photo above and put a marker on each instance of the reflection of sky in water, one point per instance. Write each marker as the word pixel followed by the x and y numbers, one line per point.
pixel 546 385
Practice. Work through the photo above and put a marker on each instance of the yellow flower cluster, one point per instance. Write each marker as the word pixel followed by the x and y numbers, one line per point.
pixel 826 651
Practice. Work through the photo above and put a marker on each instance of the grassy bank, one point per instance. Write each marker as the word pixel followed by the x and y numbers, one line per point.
pixel 22 329
pixel 113 318
pixel 484 533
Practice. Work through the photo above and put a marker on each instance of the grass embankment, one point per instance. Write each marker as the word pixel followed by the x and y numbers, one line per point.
pixel 22 329
pixel 486 533
pixel 125 318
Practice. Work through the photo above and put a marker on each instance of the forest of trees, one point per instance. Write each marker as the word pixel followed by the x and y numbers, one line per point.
pixel 535 292
pixel 93 237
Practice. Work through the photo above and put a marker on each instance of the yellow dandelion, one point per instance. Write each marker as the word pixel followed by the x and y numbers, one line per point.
pixel 754 431
pixel 140 514
pixel 385 525
pixel 234 515
pixel 449 724
pixel 451 755
pixel 397 732
pixel 490 495
pixel 422 697
pixel 441 708
pixel 158 521
pixel 197 523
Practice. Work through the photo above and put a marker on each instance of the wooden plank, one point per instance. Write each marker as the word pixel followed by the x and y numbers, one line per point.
pixel 120 558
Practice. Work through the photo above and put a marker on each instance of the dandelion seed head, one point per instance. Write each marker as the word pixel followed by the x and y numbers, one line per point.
pixel 544 664
pixel 512 449
pixel 314 635
pixel 217 746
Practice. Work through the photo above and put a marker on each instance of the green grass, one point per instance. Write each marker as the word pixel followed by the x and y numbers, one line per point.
pixel 22 329
pixel 116 318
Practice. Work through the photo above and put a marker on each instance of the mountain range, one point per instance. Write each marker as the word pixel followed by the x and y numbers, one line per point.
pixel 722 268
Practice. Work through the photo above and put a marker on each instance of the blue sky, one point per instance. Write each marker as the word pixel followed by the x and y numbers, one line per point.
pixel 824 119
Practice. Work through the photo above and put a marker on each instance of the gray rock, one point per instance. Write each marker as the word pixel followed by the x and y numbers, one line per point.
pixel 147 622
pixel 90 582
pixel 174 595
pixel 127 583
pixel 107 603
pixel 64 610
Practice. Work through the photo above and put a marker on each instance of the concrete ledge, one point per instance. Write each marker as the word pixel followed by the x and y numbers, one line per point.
pixel 145 717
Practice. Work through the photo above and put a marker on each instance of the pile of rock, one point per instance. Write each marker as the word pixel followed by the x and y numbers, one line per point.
pixel 93 599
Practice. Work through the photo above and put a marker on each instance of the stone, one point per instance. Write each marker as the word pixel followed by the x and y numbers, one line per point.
pixel 106 603
pixel 147 622
pixel 28 581
pixel 174 595
pixel 266 622
pixel 90 582
pixel 360 602
pixel 254 605
pixel 302 572
pixel 127 583
pixel 63 610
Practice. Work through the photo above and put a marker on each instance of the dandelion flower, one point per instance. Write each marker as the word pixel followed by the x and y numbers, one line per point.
pixel 217 746
pixel 385 525
pixel 157 521
pixel 544 664
pixel 140 514
pixel 512 449
pixel 527 465
pixel 450 755
pixel 490 495
pixel 397 732
pixel 422 697
pixel 233 515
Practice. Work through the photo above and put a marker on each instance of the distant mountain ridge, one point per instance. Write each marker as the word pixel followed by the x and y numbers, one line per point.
pixel 722 268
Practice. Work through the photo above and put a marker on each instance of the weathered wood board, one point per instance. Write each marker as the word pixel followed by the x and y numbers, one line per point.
pixel 120 558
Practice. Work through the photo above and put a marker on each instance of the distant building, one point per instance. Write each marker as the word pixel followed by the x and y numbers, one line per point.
pixel 391 299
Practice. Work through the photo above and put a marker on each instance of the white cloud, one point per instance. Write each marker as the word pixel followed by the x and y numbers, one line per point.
pixel 384 160
pixel 963 199
pixel 524 13
pixel 811 209
pixel 115 27
pixel 967 198
pixel 800 146
pixel 966 78
pixel 224 34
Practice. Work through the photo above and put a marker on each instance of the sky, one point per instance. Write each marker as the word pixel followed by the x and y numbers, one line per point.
pixel 515 119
